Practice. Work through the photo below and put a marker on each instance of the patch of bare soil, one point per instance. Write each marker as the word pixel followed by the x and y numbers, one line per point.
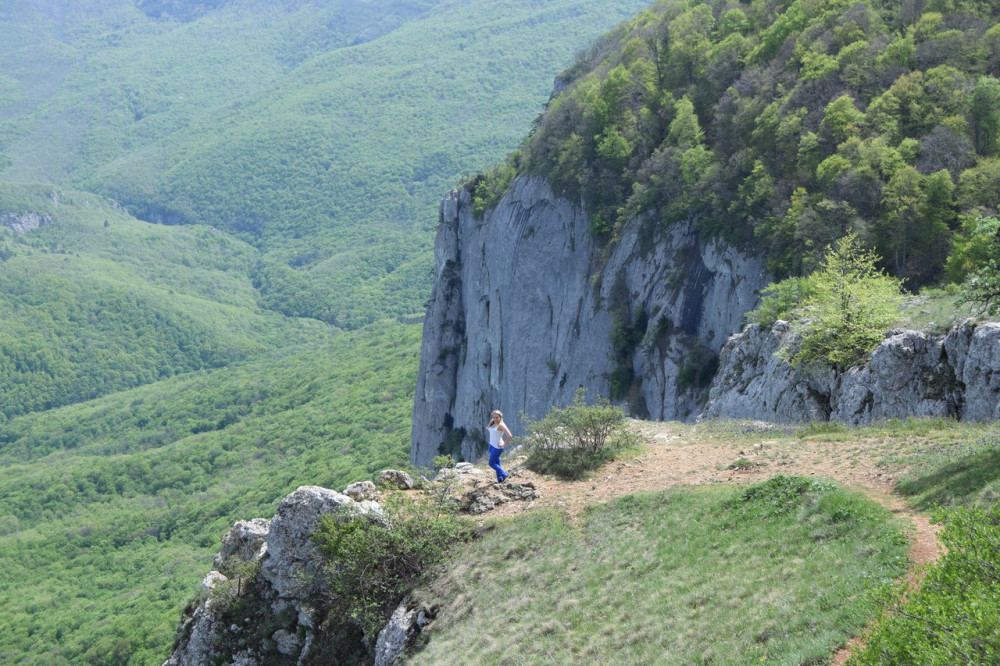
pixel 676 454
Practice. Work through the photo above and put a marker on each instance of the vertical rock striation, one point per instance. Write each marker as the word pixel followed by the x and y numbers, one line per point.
pixel 526 307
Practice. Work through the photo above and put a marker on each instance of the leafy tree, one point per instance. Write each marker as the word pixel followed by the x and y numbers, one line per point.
pixel 841 311
pixel 979 255
pixel 972 247
pixel 684 130
pixel 841 119
pixel 984 113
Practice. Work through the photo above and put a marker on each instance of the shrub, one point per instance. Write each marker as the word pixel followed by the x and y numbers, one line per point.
pixel 373 562
pixel 570 441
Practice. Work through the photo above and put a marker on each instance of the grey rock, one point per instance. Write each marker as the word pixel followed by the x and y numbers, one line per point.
pixel 288 643
pixel 362 490
pixel 395 478
pixel 974 353
pixel 24 222
pixel 401 630
pixel 490 497
pixel 293 560
pixel 287 587
pixel 524 305
pixel 213 580
pixel 910 374
pixel 247 540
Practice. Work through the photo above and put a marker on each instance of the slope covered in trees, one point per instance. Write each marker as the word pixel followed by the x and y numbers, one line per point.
pixel 160 381
pixel 785 125
pixel 322 132
pixel 96 301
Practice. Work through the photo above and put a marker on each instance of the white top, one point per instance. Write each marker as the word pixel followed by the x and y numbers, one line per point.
pixel 496 437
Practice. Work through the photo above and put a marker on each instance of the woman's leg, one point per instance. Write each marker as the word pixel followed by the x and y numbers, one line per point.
pixel 495 463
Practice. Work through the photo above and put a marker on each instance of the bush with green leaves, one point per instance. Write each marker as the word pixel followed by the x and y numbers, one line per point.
pixel 978 253
pixel 954 616
pixel 373 561
pixel 570 441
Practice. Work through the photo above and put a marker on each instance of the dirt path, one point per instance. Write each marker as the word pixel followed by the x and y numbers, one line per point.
pixel 676 454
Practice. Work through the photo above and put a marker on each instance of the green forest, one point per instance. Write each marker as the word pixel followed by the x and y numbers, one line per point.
pixel 238 200
pixel 782 126
pixel 322 133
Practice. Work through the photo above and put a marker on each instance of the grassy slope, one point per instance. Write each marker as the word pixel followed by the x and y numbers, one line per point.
pixel 692 575
pixel 111 510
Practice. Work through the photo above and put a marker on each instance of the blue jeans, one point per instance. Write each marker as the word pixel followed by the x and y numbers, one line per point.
pixel 495 463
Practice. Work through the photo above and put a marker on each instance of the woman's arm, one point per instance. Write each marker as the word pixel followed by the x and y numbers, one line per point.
pixel 506 430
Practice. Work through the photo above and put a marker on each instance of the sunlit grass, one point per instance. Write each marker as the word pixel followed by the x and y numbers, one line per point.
pixel 694 575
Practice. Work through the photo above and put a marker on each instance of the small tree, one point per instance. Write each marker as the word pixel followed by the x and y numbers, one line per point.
pixel 852 304
pixel 842 310
pixel 979 255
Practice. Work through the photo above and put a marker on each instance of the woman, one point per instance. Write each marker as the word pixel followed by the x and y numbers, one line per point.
pixel 497 429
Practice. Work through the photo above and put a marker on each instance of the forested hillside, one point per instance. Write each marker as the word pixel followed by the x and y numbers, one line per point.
pixel 323 132
pixel 96 301
pixel 781 126
pixel 197 199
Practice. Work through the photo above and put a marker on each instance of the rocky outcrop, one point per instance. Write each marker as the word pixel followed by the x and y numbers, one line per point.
pixel 909 375
pixel 401 630
pixel 526 307
pixel 271 568
pixel 22 223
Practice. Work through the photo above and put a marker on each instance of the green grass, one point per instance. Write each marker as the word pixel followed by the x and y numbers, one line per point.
pixel 777 573
pixel 935 311
pixel 111 510
pixel 966 473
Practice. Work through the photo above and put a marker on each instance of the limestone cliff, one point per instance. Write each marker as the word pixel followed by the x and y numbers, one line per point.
pixel 910 374
pixel 527 307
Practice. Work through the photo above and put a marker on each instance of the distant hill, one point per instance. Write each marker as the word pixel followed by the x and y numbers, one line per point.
pixel 323 133
pixel 161 379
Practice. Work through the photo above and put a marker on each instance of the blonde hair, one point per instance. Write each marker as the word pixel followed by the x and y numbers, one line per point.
pixel 496 415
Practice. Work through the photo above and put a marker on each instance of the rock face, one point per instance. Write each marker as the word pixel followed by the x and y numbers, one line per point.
pixel 909 374
pixel 279 620
pixel 526 308
pixel 24 222
pixel 401 630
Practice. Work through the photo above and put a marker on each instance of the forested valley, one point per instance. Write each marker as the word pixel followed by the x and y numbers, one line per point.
pixel 216 230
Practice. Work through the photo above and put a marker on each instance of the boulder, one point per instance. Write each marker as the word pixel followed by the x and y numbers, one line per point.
pixel 395 478
pixel 247 540
pixel 361 491
pixel 399 632
pixel 293 560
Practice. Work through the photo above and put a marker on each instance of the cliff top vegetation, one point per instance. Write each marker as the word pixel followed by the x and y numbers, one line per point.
pixel 783 125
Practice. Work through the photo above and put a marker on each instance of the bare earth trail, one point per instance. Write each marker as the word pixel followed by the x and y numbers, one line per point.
pixel 677 454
